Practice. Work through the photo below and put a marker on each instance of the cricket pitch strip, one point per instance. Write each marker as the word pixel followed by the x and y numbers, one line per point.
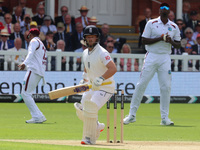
pixel 127 145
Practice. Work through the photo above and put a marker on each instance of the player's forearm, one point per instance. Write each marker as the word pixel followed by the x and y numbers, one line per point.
pixel 176 44
pixel 147 41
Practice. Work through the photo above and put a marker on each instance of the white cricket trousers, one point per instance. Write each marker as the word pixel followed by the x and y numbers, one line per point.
pixel 98 97
pixel 160 63
pixel 31 81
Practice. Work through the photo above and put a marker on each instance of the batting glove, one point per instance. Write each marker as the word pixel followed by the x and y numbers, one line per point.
pixel 96 83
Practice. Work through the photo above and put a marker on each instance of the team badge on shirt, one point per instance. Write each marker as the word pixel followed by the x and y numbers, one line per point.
pixel 107 57
pixel 169 28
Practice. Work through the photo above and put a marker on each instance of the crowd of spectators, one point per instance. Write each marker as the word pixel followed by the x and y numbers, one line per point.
pixel 66 30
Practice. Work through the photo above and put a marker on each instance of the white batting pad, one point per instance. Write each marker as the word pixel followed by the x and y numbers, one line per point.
pixel 90 112
pixel 79 110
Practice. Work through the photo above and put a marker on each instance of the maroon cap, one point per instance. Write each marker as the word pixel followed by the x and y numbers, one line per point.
pixel 34 31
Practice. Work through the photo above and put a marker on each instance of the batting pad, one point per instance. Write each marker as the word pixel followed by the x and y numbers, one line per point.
pixel 90 112
pixel 79 110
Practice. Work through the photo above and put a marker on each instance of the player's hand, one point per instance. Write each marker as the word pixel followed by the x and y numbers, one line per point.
pixel 168 39
pixel 96 83
pixel 21 66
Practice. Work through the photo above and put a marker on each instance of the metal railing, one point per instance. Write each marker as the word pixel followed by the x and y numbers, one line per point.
pixel 71 59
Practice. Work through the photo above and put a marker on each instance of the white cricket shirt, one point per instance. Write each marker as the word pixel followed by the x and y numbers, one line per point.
pixel 95 62
pixel 36 59
pixel 154 29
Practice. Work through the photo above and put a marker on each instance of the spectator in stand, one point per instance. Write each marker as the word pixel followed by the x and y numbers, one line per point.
pixel 25 43
pixel 4 45
pixel 8 23
pixel 64 11
pixel 117 43
pixel 188 37
pixel 33 24
pixel 25 10
pixel 194 37
pixel 171 16
pixel 180 25
pixel 16 33
pixel 77 36
pixel 61 35
pixel 186 11
pixel 61 46
pixel 17 16
pixel 193 20
pixel 196 47
pixel 189 51
pixel 3 11
pixel 39 17
pixel 18 59
pixel 142 24
pixel 110 47
pixel 126 49
pixel 177 51
pixel 105 33
pixel 80 50
pixel 108 40
pixel 69 26
pixel 83 18
pixel 50 46
pixel 47 26
pixel 25 24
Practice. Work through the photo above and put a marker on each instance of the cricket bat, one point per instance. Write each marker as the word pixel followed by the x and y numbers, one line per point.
pixel 71 90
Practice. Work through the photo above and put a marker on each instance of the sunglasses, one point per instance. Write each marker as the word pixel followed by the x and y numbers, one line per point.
pixel 4 36
pixel 188 32
pixel 110 47
pixel 64 10
pixel 7 18
pixel 110 41
pixel 187 47
pixel 179 24
pixel 164 7
pixel 83 10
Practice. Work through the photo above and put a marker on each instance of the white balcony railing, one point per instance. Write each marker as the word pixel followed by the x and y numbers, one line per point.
pixel 72 57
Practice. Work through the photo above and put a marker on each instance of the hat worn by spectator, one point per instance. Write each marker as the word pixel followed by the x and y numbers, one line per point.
pixel 47 18
pixel 4 32
pixel 1 26
pixel 193 13
pixel 1 1
pixel 33 23
pixel 60 25
pixel 198 35
pixel 83 8
pixel 93 19
pixel 34 31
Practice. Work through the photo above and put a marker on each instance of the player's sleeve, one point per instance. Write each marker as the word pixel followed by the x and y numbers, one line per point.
pixel 147 30
pixel 105 58
pixel 177 35
pixel 31 49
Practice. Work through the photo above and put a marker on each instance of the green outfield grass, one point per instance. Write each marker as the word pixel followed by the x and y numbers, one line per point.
pixel 62 124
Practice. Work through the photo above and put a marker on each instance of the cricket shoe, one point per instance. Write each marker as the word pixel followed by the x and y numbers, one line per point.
pixel 166 122
pixel 100 128
pixel 129 119
pixel 37 120
pixel 86 141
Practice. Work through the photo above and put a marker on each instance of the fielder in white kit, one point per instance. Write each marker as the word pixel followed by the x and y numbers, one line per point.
pixel 99 68
pixel 159 35
pixel 36 66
